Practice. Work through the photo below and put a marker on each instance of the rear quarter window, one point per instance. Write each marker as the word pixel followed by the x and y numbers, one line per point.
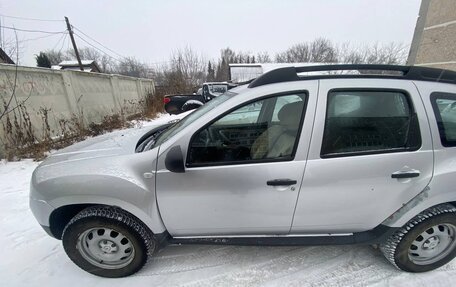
pixel 444 105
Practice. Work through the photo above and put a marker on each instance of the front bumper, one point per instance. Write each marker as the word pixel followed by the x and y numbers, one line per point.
pixel 41 210
pixel 48 230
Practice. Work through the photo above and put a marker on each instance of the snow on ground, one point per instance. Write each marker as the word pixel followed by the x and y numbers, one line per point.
pixel 31 258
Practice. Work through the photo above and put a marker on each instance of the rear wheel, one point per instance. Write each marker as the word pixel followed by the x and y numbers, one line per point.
pixel 426 242
pixel 108 242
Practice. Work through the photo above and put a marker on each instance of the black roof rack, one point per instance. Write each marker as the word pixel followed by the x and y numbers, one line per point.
pixel 417 73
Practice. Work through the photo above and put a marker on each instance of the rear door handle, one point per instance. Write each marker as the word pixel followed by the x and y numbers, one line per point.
pixel 406 174
pixel 281 182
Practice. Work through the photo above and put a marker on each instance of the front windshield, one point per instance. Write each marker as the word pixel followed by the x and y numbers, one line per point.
pixel 182 124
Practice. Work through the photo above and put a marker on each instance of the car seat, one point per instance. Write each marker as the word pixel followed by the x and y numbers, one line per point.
pixel 278 140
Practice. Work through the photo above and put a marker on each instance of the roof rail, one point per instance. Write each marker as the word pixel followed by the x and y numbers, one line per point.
pixel 418 73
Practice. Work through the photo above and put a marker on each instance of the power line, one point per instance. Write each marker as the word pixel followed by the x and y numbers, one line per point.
pixel 33 31
pixel 63 43
pixel 88 43
pixel 31 19
pixel 60 39
pixel 122 57
pixel 79 30
pixel 98 42
pixel 37 38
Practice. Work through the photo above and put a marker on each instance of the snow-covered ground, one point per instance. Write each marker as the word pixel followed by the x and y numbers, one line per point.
pixel 29 257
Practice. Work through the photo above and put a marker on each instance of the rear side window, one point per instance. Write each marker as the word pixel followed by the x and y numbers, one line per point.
pixel 444 105
pixel 369 121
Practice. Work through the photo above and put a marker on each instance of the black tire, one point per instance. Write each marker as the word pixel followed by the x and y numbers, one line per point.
pixel 188 107
pixel 128 226
pixel 398 246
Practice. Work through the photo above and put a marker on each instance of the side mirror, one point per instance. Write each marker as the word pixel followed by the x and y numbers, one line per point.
pixel 174 160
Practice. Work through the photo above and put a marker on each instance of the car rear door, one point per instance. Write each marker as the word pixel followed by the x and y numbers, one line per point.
pixel 370 153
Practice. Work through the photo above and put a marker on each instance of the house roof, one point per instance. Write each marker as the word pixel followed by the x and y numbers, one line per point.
pixel 75 63
pixel 244 72
pixel 88 65
pixel 5 58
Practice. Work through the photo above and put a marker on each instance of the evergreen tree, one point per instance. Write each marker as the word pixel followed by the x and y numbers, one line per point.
pixel 210 73
pixel 42 60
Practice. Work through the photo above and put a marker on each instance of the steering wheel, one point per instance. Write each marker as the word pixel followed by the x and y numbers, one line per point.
pixel 224 138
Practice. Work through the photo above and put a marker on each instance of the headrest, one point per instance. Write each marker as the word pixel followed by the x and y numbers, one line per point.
pixel 290 114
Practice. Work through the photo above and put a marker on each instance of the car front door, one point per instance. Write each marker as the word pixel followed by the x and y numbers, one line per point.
pixel 243 169
pixel 371 153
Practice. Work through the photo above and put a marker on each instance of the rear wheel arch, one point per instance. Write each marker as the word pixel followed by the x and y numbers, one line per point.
pixel 417 205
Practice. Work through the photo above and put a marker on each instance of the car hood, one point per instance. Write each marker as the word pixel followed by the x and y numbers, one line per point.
pixel 113 144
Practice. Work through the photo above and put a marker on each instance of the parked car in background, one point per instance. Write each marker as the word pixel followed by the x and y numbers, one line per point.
pixel 286 160
pixel 176 104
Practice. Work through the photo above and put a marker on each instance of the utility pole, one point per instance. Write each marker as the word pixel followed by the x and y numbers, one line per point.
pixel 70 31
pixel 1 39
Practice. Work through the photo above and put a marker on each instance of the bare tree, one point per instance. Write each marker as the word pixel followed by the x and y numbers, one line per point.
pixel 263 57
pixel 7 103
pixel 104 61
pixel 319 50
pixel 12 48
pixel 392 53
pixel 189 65
pixel 132 67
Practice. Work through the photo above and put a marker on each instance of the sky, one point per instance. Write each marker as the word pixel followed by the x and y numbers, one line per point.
pixel 150 30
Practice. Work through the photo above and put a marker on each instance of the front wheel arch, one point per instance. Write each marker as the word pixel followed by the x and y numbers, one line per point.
pixel 61 216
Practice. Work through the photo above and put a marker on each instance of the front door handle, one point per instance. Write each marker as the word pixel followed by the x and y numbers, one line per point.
pixel 281 182
pixel 406 174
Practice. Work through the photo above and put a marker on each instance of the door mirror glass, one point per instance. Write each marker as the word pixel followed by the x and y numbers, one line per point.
pixel 174 160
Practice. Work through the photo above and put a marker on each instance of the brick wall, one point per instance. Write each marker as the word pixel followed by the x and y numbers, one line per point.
pixel 434 40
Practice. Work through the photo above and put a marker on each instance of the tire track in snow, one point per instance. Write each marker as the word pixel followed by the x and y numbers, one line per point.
pixel 285 263
pixel 169 264
pixel 203 258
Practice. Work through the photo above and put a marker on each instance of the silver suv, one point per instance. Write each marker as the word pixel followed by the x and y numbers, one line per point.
pixel 294 158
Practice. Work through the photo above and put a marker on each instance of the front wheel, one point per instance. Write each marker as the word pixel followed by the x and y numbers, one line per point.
pixel 108 242
pixel 426 242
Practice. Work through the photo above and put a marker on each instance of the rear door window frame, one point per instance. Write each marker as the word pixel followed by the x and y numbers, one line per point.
pixel 412 110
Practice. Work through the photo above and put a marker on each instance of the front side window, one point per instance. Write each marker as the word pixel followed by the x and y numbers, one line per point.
pixel 363 122
pixel 267 129
pixel 444 105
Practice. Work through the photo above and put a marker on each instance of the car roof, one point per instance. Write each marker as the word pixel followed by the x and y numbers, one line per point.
pixel 289 74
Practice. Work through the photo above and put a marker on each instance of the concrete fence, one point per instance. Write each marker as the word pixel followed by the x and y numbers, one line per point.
pixel 65 94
